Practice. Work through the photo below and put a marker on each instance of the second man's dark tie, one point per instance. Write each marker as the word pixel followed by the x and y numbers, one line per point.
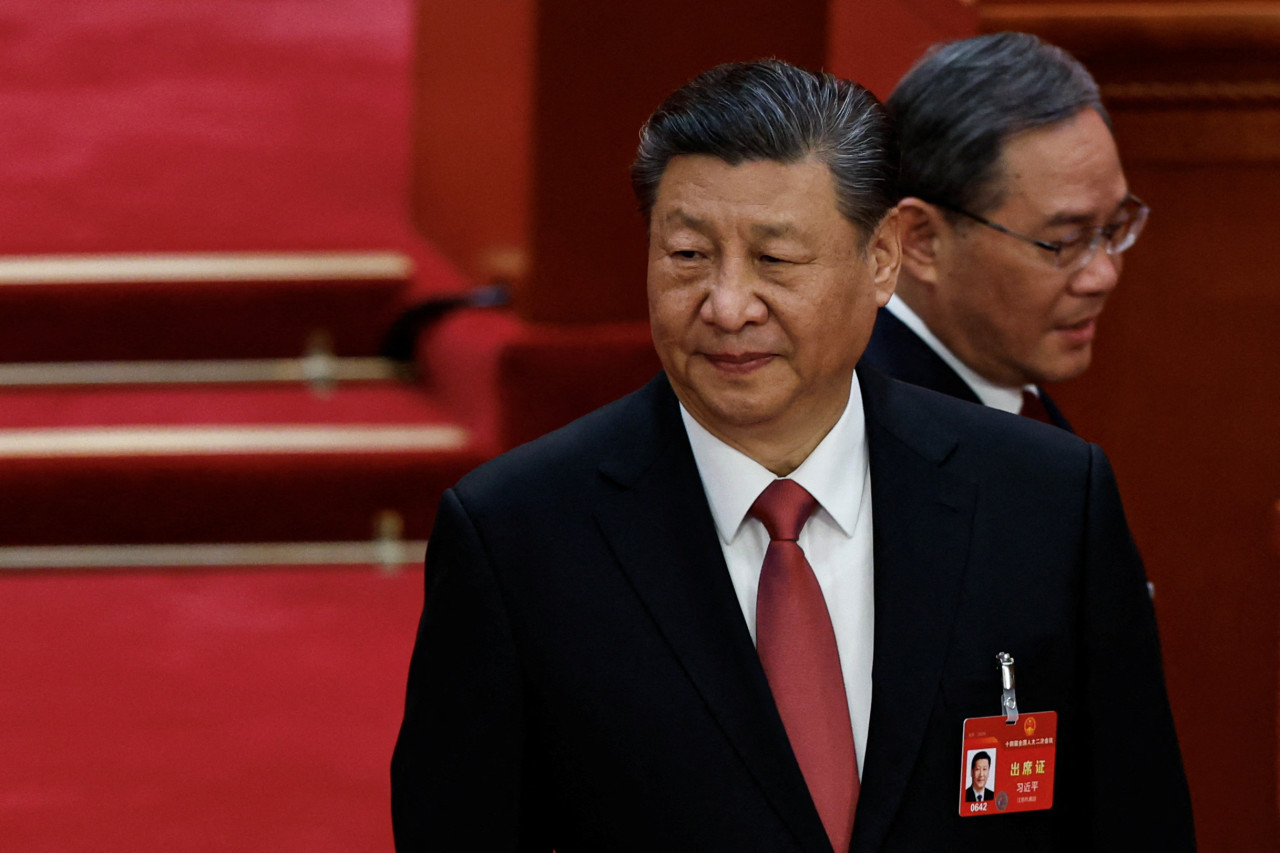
pixel 1033 407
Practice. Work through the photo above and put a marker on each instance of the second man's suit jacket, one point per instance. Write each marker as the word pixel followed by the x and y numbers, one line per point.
pixel 584 679
pixel 896 351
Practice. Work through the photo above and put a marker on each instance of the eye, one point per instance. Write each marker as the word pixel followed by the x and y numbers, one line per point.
pixel 686 254
pixel 1120 225
pixel 1076 239
pixel 772 259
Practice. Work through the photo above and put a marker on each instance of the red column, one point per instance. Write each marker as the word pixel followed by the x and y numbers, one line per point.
pixel 876 41
pixel 473 114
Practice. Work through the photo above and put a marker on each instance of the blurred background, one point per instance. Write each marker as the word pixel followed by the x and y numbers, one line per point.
pixel 274 273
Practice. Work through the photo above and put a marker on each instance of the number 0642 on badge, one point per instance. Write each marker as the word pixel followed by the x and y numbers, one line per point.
pixel 1007 768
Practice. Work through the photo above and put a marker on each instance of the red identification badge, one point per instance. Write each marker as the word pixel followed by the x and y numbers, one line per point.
pixel 1008 768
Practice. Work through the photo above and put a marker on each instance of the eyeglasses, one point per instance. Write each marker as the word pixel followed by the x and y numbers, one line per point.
pixel 1078 248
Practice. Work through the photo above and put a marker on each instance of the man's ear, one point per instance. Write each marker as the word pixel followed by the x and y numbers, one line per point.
pixel 885 253
pixel 922 227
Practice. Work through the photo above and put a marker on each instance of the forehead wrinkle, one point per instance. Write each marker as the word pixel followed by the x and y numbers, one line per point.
pixel 781 229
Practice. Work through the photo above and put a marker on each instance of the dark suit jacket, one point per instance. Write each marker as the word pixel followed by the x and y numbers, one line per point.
pixel 971 797
pixel 896 351
pixel 583 678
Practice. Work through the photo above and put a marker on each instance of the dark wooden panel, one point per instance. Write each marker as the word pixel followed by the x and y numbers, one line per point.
pixel 1184 393
pixel 1241 33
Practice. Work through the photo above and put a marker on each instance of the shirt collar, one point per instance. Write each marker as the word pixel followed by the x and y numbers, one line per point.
pixel 834 472
pixel 996 396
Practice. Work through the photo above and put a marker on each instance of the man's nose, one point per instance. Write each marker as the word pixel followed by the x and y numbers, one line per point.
pixel 733 299
pixel 1100 275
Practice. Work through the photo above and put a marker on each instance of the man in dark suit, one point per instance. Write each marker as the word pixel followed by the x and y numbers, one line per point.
pixel 627 645
pixel 980 771
pixel 1015 212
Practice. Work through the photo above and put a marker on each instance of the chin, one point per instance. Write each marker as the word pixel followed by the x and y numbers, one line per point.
pixel 729 411
pixel 742 415
pixel 1066 366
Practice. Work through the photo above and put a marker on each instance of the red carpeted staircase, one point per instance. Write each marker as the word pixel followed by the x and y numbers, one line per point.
pixel 188 342
pixel 228 419
pixel 232 399
pixel 203 242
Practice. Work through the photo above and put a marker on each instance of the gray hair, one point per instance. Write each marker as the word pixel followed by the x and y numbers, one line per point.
pixel 958 104
pixel 772 110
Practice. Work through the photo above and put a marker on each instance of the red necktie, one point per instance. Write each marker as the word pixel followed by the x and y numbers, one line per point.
pixel 797 648
pixel 1033 407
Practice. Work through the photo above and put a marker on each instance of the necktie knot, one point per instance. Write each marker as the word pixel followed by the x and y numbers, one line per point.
pixel 783 508
pixel 1033 407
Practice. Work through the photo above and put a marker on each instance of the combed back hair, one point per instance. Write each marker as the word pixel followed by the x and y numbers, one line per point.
pixel 958 104
pixel 772 110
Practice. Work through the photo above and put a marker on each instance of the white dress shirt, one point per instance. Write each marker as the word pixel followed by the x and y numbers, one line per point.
pixel 836 540
pixel 996 396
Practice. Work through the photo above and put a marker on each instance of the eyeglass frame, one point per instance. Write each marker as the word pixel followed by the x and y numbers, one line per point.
pixel 1100 232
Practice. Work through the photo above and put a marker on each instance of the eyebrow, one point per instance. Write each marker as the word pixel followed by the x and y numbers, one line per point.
pixel 1073 218
pixel 784 229
pixel 683 217
pixel 1068 218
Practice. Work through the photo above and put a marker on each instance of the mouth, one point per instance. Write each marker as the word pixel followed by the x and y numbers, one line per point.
pixel 1081 331
pixel 738 362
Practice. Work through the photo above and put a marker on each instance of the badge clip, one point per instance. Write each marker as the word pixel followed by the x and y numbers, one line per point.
pixel 1008 699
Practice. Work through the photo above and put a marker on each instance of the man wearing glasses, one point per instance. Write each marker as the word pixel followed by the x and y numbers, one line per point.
pixel 1015 212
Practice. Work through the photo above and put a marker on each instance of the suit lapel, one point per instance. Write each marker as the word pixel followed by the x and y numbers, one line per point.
pixel 661 531
pixel 922 520
pixel 897 351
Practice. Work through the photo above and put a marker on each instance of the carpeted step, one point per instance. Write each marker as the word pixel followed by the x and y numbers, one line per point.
pixel 208 464
pixel 209 306
pixel 251 709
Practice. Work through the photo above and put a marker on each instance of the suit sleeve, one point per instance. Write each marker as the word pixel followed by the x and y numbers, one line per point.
pixel 459 771
pixel 1139 785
